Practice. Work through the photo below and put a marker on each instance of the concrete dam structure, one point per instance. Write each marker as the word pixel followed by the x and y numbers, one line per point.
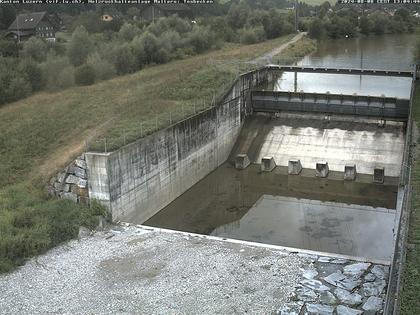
pixel 306 171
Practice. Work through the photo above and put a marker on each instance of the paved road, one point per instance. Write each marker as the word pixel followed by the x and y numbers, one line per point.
pixel 265 59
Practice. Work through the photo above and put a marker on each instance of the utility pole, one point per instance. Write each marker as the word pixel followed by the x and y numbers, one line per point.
pixel 296 17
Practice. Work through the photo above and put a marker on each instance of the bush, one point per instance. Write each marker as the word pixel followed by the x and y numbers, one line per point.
pixel 103 69
pixel 201 39
pixel 31 224
pixel 57 72
pixel 251 35
pixel 65 78
pixel 35 48
pixel 84 75
pixel 33 72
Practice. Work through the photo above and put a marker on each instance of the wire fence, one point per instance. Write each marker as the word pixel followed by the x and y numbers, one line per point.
pixel 119 136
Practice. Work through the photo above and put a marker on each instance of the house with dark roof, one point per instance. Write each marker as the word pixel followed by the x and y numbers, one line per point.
pixel 155 11
pixel 38 24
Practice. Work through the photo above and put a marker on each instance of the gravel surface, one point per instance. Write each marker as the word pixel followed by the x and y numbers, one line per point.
pixel 139 271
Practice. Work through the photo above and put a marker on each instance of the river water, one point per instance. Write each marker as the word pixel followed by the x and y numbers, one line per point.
pixel 388 52
pixel 261 207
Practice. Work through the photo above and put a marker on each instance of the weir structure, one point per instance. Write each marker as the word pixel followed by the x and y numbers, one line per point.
pixel 342 162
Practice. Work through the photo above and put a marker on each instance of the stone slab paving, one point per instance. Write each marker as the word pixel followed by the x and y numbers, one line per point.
pixel 137 270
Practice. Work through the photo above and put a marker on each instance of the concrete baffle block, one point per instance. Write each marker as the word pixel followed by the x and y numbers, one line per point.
pixel 379 175
pixel 242 161
pixel 295 167
pixel 350 172
pixel 322 169
pixel 267 164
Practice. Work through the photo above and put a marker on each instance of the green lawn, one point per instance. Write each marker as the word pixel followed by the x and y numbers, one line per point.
pixel 410 296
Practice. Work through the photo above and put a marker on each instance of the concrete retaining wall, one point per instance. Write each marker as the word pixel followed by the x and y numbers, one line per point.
pixel 140 179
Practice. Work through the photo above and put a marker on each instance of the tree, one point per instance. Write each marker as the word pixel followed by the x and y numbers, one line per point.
pixel 379 23
pixel 402 14
pixel 133 13
pixel 238 15
pixel 128 31
pixel 125 61
pixel 150 45
pixel 35 48
pixel 8 48
pixel 273 25
pixel 13 83
pixel 316 29
pixel 139 52
pixel 7 15
pixel 84 75
pixel 365 25
pixel 80 46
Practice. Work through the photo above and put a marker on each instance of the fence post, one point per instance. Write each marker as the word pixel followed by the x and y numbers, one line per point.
pixel 106 151
pixel 141 130
pixel 170 118
pixel 156 122
pixel 125 139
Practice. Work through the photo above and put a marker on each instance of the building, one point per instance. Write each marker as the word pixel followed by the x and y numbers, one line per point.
pixel 154 11
pixel 38 24
pixel 106 18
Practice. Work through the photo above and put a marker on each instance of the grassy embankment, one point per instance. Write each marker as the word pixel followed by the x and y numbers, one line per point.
pixel 39 135
pixel 410 296
pixel 297 51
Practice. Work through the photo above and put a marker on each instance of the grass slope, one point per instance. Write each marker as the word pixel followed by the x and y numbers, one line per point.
pixel 39 135
pixel 52 124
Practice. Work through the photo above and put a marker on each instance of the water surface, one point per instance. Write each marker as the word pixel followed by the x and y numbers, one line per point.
pixel 388 52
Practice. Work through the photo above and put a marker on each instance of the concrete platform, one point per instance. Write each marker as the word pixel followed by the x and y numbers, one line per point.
pixel 134 270
pixel 312 139
pixel 320 226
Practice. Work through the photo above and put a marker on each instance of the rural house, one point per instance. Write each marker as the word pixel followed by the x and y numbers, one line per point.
pixel 34 24
pixel 155 11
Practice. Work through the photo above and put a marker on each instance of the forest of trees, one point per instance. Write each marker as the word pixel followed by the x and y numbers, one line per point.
pixel 92 50
pixel 350 22
pixel 99 51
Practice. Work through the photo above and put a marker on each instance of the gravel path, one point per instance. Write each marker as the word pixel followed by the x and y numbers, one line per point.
pixel 266 59
pixel 147 272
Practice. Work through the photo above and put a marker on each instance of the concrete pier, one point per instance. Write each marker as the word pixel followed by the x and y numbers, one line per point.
pixel 295 167
pixel 267 164
pixel 350 172
pixel 322 169
pixel 242 161
pixel 379 175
